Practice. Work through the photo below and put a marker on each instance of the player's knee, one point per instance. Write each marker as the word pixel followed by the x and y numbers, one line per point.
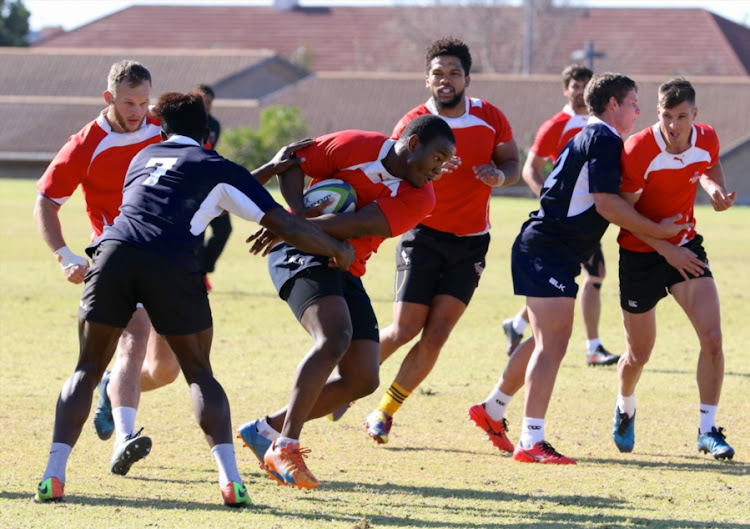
pixel 637 358
pixel 368 382
pixel 335 343
pixel 132 348
pixel 434 338
pixel 711 342
pixel 402 333
pixel 164 373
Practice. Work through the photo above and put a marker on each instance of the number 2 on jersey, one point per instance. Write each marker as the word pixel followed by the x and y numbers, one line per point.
pixel 551 179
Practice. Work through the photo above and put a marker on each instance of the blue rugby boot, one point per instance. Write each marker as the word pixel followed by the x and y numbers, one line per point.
pixel 104 423
pixel 715 443
pixel 258 445
pixel 623 431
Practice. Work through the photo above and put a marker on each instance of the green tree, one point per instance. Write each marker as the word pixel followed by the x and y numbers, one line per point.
pixel 279 126
pixel 14 23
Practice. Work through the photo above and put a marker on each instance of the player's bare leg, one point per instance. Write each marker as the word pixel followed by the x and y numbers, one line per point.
pixel 408 320
pixel 443 316
pixel 160 366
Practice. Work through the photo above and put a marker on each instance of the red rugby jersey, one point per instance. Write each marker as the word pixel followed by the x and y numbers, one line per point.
pixel 356 156
pixel 96 158
pixel 463 206
pixel 556 132
pixel 666 182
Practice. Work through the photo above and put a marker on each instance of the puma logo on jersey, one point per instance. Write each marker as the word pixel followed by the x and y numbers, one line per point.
pixel 679 159
pixel 555 283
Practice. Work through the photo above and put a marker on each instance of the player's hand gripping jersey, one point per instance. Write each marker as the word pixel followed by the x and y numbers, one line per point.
pixel 667 183
pixel 462 206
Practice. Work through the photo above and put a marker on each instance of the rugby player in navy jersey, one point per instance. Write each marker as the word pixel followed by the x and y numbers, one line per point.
pixel 150 255
pixel 579 199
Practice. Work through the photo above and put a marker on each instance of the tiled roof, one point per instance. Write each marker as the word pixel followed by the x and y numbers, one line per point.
pixel 76 72
pixel 337 101
pixel 392 39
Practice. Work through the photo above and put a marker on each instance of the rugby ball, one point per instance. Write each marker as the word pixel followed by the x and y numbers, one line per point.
pixel 343 195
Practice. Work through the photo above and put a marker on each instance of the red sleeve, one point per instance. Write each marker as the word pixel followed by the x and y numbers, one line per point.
pixel 709 141
pixel 69 166
pixel 408 207
pixel 547 139
pixel 320 162
pixel 503 130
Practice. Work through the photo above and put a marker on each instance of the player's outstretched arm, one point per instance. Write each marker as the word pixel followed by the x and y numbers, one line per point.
pixel 308 237
pixel 46 215
pixel 282 161
pixel 714 184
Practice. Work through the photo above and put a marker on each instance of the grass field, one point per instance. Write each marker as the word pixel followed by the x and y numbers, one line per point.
pixel 438 471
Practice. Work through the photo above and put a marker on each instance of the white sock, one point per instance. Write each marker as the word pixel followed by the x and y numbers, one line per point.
pixel 124 422
pixel 57 462
pixel 227 463
pixel 592 344
pixel 265 430
pixel 281 442
pixel 496 403
pixel 519 324
pixel 708 417
pixel 532 432
pixel 626 404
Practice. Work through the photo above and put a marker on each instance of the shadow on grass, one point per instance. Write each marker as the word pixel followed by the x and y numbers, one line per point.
pixel 459 502
pixel 687 372
pixel 689 464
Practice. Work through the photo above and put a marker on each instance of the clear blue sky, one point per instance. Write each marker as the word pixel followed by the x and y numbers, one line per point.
pixel 73 13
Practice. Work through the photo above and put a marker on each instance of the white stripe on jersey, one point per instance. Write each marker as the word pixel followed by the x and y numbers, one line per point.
pixel 581 199
pixel 665 160
pixel 117 139
pixel 376 172
pixel 224 197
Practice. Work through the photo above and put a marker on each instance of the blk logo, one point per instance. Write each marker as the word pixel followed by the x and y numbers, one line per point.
pixel 555 283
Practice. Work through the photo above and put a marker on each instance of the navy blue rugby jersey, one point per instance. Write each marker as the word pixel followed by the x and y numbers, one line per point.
pixel 173 190
pixel 567 223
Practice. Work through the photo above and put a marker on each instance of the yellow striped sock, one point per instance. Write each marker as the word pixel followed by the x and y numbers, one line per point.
pixel 393 399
